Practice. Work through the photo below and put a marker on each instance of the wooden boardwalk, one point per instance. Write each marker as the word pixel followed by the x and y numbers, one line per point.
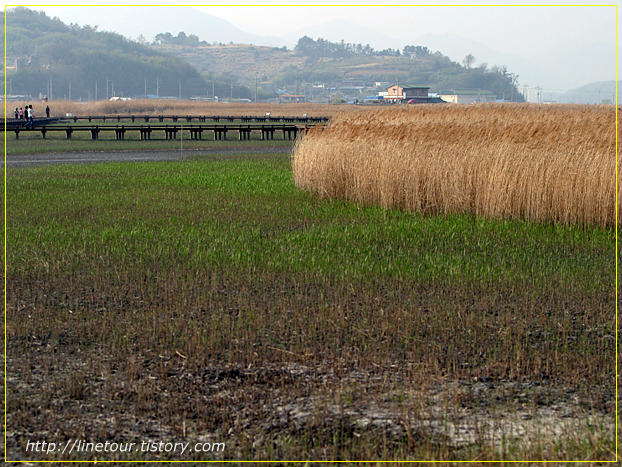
pixel 198 118
pixel 11 122
pixel 195 132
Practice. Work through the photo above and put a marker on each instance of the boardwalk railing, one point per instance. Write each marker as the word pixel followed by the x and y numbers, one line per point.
pixel 19 122
pixel 202 118
pixel 170 131
pixel 194 118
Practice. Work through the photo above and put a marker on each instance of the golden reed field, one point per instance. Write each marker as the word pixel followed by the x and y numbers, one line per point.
pixel 541 163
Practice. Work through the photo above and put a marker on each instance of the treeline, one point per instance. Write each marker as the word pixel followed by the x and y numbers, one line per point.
pixel 315 49
pixel 182 38
pixel 63 61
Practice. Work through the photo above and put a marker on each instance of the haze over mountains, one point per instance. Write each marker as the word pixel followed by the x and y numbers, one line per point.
pixel 567 66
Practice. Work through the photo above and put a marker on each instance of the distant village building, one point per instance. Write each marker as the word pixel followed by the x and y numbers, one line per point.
pixel 406 93
pixel 532 94
pixel 292 98
pixel 467 96
pixel 10 68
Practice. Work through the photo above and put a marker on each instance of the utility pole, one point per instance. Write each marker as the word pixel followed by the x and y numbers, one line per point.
pixel 158 87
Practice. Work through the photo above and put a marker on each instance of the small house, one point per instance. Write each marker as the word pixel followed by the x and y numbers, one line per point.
pixel 289 98
pixel 397 93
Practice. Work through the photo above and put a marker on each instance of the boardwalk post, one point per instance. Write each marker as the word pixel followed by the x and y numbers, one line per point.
pixel 244 133
pixel 145 133
pixel 119 133
pixel 220 133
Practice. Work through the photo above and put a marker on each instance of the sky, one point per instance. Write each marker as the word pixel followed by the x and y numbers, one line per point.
pixel 510 29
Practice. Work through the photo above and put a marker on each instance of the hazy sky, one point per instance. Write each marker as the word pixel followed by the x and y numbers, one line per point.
pixel 520 30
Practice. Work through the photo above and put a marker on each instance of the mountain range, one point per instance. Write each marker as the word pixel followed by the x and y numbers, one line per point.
pixel 568 66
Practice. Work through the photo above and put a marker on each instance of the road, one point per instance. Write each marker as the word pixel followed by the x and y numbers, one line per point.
pixel 91 157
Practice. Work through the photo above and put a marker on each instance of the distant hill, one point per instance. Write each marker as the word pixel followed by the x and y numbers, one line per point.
pixel 162 18
pixel 242 61
pixel 593 93
pixel 577 63
pixel 340 29
pixel 322 61
pixel 46 56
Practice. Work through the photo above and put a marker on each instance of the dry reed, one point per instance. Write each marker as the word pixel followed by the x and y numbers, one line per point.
pixel 541 163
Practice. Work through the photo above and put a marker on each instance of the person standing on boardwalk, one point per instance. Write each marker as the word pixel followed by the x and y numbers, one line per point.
pixel 21 113
pixel 16 113
pixel 31 116
pixel 47 111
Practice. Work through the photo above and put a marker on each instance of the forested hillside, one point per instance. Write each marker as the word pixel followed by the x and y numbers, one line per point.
pixel 321 61
pixel 81 61
pixel 414 64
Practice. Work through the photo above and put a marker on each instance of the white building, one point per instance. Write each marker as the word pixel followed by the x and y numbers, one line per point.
pixel 467 96
pixel 532 95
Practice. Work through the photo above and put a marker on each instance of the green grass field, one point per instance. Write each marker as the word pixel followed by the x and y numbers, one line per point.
pixel 210 300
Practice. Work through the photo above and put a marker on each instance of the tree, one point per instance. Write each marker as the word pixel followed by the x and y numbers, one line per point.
pixel 164 38
pixel 468 61
pixel 306 47
pixel 416 51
